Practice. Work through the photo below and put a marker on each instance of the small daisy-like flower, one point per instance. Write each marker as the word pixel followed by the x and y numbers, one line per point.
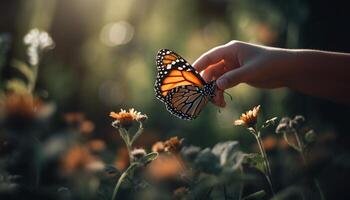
pixel 124 119
pixel 158 147
pixel 249 118
pixel 173 145
pixel 137 116
pixel 283 126
pixel 297 122
pixel 138 153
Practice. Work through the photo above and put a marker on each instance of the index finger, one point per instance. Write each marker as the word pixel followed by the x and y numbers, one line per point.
pixel 210 57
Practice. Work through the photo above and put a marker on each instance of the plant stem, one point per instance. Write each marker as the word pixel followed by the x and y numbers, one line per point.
pixel 264 156
pixel 302 154
pixel 225 192
pixel 122 177
pixel 129 147
pixel 319 189
pixel 32 83
pixel 241 186
pixel 300 144
pixel 126 138
pixel 38 157
pixel 209 192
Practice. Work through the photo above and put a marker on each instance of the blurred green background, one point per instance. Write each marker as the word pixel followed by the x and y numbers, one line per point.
pixel 104 58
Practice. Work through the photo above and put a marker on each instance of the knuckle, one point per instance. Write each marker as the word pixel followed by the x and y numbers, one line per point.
pixel 233 43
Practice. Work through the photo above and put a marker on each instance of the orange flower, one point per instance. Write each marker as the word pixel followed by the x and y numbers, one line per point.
pixel 73 117
pixel 21 106
pixel 97 145
pixel 164 167
pixel 86 127
pixel 249 118
pixel 173 145
pixel 124 119
pixel 77 158
pixel 158 147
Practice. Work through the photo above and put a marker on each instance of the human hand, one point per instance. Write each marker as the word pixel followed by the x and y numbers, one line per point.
pixel 239 62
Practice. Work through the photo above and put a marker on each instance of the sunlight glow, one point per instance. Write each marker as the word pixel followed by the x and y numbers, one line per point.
pixel 117 33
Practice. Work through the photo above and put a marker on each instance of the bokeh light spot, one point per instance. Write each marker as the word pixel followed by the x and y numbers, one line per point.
pixel 117 33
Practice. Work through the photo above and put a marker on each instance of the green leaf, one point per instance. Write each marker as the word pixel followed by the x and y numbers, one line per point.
pixel 310 136
pixel 256 195
pixel 229 154
pixel 269 122
pixel 190 153
pixel 207 162
pixel 149 157
pixel 255 160
pixel 23 68
pixel 291 192
pixel 110 169
pixel 16 85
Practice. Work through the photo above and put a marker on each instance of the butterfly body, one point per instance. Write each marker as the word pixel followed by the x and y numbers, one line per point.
pixel 180 86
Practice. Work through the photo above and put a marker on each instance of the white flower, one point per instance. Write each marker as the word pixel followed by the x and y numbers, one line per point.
pixel 37 42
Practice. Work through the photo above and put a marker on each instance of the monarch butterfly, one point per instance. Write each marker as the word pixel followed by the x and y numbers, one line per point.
pixel 180 86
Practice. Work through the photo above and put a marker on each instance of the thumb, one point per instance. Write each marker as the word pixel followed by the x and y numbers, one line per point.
pixel 231 78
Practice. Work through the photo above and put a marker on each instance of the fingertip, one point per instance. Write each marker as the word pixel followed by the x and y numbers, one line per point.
pixel 232 78
pixel 208 58
pixel 222 83
pixel 222 101
pixel 219 98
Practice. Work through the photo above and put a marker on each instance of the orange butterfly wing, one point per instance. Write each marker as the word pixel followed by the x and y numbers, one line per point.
pixel 186 102
pixel 174 71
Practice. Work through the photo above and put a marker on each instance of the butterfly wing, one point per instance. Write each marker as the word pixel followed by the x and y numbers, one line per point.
pixel 174 71
pixel 186 102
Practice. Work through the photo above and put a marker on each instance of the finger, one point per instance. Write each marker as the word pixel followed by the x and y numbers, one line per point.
pixel 214 71
pixel 211 57
pixel 232 78
pixel 218 99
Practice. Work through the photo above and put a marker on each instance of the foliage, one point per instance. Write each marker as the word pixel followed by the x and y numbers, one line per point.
pixel 55 142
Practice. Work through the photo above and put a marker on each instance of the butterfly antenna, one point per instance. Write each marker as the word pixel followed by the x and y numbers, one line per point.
pixel 229 95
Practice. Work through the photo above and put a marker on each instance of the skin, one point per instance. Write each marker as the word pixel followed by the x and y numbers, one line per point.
pixel 312 72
